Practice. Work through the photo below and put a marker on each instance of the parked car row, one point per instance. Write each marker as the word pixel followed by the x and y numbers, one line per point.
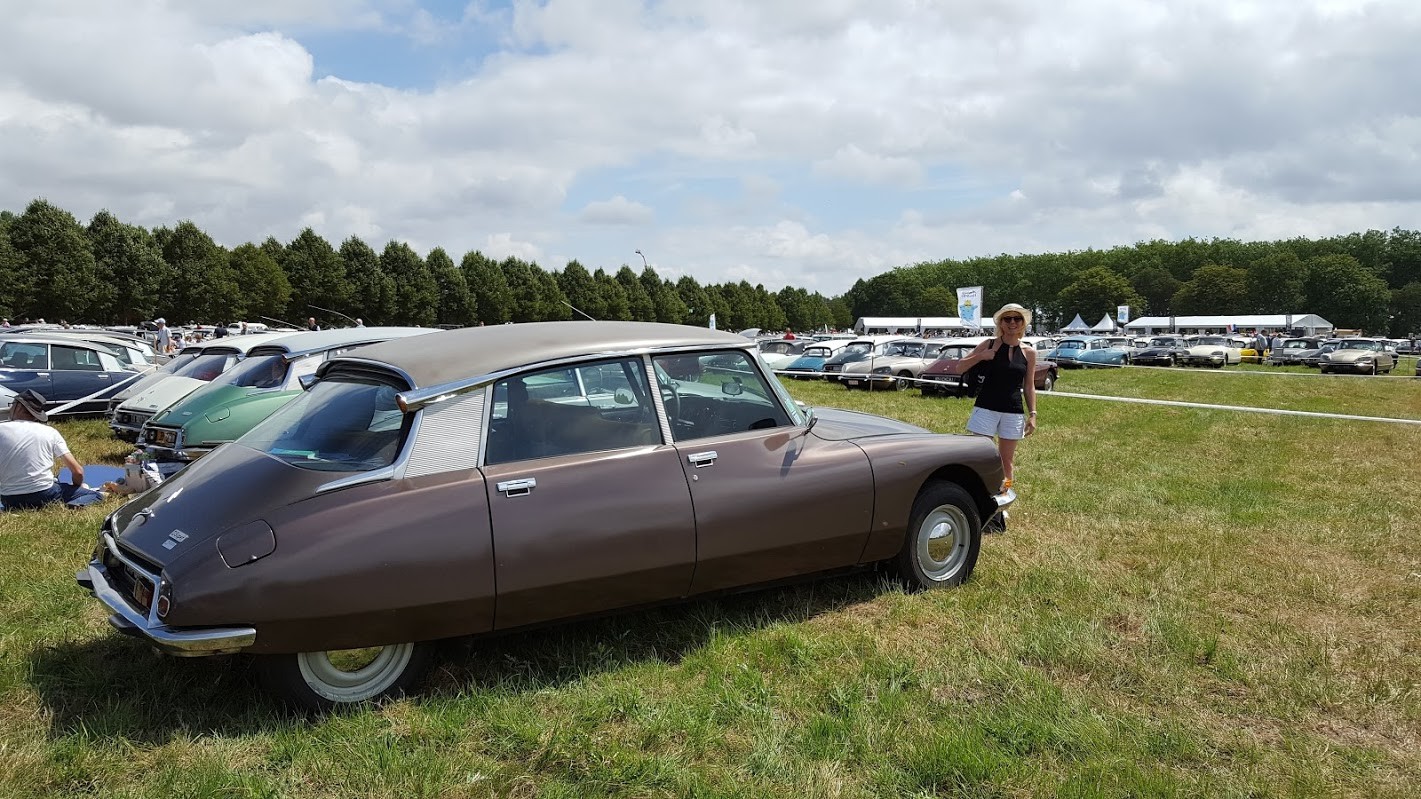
pixel 359 522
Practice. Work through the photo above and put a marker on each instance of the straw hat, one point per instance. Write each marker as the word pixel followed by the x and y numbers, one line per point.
pixel 1011 306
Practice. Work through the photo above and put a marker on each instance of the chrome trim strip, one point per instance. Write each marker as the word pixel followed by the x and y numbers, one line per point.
pixel 425 396
pixel 185 643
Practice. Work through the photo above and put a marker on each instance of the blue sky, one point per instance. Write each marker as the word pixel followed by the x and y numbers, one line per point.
pixel 784 143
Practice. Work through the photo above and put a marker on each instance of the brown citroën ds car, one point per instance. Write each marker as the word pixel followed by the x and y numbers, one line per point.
pixel 492 478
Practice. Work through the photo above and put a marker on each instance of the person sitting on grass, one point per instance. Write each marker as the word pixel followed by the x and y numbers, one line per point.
pixel 28 451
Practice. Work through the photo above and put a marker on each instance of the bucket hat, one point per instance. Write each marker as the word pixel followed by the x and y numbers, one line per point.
pixel 34 402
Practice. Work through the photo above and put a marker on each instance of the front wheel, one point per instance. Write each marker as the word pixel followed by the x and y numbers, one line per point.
pixel 943 540
pixel 327 680
pixel 1049 383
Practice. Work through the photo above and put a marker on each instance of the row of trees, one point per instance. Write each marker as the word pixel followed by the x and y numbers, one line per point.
pixel 1366 280
pixel 53 267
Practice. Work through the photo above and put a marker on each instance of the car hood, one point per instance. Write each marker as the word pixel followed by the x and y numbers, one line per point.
pixel 1350 356
pixel 141 385
pixel 1206 349
pixel 837 424
pixel 944 366
pixel 806 362
pixel 161 395
pixel 231 486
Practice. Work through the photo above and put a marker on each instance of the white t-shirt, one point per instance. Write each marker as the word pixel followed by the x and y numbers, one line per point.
pixel 28 451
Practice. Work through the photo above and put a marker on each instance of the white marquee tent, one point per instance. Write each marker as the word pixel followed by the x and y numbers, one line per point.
pixel 912 324
pixel 1308 324
pixel 1105 325
pixel 1077 325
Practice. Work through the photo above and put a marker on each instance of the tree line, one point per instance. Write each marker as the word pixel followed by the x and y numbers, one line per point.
pixel 1370 281
pixel 55 268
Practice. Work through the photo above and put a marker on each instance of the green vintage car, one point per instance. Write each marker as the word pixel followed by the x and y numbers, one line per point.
pixel 268 378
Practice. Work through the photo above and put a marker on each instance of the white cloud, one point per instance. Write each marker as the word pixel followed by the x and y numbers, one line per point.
pixel 852 163
pixel 1059 125
pixel 616 211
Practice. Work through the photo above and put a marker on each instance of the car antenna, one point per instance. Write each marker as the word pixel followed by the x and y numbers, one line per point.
pixel 328 310
pixel 269 319
pixel 579 310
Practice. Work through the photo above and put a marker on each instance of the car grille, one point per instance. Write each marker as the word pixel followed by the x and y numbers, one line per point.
pixel 132 419
pixel 161 436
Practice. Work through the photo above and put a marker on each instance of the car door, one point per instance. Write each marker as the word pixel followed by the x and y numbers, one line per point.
pixel 77 372
pixel 771 501
pixel 590 511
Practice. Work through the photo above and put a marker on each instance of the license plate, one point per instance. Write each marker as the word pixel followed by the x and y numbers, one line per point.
pixel 853 381
pixel 142 592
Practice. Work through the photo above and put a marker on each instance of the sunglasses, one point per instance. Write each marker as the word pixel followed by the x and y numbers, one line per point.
pixel 1013 319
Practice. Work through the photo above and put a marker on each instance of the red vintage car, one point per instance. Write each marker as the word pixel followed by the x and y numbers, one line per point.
pixel 943 377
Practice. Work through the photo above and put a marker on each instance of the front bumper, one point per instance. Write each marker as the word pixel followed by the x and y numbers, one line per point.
pixel 131 620
pixel 128 425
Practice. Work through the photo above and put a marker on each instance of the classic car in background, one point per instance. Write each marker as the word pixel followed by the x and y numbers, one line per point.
pixel 1365 356
pixel 898 367
pixel 62 369
pixel 943 377
pixel 860 349
pixel 810 365
pixel 267 378
pixel 130 415
pixel 360 522
pixel 779 353
pixel 1312 358
pixel 1215 351
pixel 1077 351
pixel 1159 351
pixel 1292 350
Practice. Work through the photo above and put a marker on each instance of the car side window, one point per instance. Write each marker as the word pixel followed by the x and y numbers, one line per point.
pixel 67 358
pixel 594 407
pixel 715 394
pixel 22 355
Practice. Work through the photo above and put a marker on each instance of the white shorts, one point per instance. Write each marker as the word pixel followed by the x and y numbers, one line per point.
pixel 994 423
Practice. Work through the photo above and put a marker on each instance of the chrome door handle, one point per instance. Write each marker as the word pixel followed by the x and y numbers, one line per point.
pixel 702 459
pixel 517 488
pixel 41 374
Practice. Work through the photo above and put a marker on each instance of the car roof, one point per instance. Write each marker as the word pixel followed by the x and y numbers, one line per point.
pixel 239 345
pixel 66 341
pixel 458 355
pixel 319 340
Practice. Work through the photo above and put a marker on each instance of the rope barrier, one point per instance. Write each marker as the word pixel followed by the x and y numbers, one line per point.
pixel 900 381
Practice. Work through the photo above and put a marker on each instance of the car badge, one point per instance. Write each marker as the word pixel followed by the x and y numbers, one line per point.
pixel 174 538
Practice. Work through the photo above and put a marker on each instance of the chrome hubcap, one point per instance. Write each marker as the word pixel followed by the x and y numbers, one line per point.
pixel 942 542
pixel 353 675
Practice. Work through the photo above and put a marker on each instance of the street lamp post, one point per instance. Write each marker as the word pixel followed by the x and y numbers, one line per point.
pixel 644 264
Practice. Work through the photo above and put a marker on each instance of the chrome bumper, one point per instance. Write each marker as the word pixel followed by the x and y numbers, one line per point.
pixel 193 642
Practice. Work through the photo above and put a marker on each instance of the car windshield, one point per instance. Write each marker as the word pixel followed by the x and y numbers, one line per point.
pixel 1162 342
pixel 337 426
pixel 263 371
pixel 177 362
pixel 953 352
pixel 1071 345
pixel 859 346
pixel 1297 344
pixel 816 352
pixel 911 350
pixel 206 367
pixel 1214 340
pixel 1361 345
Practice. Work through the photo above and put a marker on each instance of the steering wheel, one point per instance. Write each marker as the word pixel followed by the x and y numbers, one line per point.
pixel 671 400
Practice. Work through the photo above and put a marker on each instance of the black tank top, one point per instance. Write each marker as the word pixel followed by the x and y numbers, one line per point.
pixel 1001 390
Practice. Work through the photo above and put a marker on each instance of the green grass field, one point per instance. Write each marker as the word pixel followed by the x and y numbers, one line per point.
pixel 1197 603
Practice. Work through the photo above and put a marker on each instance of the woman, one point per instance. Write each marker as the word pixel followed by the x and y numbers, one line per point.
pixel 1010 371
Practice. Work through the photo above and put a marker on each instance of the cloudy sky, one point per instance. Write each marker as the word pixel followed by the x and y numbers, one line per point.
pixel 801 142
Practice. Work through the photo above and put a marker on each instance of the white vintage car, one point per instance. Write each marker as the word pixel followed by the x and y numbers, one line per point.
pixel 899 367
pixel 1215 351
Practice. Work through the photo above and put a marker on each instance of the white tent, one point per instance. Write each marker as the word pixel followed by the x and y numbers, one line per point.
pixel 902 324
pixel 1077 325
pixel 1309 324
pixel 1105 325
